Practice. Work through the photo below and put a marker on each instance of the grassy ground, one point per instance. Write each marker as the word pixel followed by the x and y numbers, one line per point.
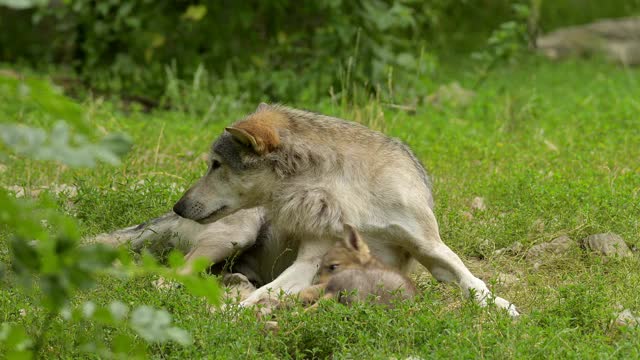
pixel 552 148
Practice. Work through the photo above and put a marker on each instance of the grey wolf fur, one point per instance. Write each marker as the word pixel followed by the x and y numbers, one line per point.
pixel 308 175
pixel 349 273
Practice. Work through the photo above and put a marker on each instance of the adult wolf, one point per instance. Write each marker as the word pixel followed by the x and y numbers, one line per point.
pixel 311 174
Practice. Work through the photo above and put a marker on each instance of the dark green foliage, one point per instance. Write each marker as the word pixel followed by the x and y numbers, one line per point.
pixel 278 50
pixel 47 262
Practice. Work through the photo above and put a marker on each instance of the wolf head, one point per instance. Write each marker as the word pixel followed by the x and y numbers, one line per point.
pixel 349 253
pixel 240 171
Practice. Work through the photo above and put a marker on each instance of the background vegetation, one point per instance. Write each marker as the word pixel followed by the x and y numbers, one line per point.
pixel 279 50
pixel 551 147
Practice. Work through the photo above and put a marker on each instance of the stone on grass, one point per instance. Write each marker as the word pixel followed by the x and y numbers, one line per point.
pixel 452 95
pixel 467 215
pixel 608 244
pixel 271 326
pixel 514 249
pixel 616 39
pixel 557 247
pixel 478 204
pixel 627 318
pixel 18 191
pixel 506 279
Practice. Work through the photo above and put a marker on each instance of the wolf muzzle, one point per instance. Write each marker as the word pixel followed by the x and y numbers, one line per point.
pixel 189 208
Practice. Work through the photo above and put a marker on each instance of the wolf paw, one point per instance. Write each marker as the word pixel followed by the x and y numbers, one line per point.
pixel 504 304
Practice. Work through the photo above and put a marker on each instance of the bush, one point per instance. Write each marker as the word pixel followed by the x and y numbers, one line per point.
pixel 279 50
pixel 47 261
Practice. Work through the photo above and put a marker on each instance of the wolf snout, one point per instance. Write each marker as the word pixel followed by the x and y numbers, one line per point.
pixel 189 209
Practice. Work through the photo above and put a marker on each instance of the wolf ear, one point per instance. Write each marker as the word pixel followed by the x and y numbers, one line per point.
pixel 259 131
pixel 262 107
pixel 353 241
pixel 243 137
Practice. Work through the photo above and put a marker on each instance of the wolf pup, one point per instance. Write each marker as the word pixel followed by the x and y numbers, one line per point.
pixel 287 180
pixel 349 273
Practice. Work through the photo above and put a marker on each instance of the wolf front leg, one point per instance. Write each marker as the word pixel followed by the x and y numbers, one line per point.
pixel 222 239
pixel 425 245
pixel 215 241
pixel 296 277
pixel 156 234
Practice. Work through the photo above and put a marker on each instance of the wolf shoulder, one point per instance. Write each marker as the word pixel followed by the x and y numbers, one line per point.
pixel 370 149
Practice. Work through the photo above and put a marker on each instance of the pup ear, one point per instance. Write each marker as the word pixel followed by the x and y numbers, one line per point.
pixel 353 241
pixel 243 137
pixel 262 106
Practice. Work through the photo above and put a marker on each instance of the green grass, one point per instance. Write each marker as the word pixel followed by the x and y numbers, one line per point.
pixel 552 148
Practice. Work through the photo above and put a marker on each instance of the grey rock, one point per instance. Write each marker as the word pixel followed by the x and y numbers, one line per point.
pixel 627 318
pixel 515 248
pixel 451 94
pixel 616 39
pixel 478 204
pixel 271 326
pixel 608 244
pixel 467 215
pixel 506 279
pixel 557 247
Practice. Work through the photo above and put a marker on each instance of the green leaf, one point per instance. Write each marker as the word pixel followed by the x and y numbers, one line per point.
pixel 175 259
pixel 117 144
pixel 103 316
pixel 24 255
pixel 149 263
pixel 155 326
pixel 96 256
pixel 74 277
pixel 200 264
pixel 52 102
pixel 55 293
pixel 180 336
pixel 63 146
pixel 122 343
pixel 22 4
pixel 88 309
pixel 199 286
pixel 15 337
pixel 16 341
pixel 124 256
pixel 195 12
pixel 118 310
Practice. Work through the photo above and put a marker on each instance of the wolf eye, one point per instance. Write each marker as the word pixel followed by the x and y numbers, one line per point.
pixel 215 164
pixel 333 267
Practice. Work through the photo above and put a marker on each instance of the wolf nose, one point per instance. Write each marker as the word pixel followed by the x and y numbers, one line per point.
pixel 179 208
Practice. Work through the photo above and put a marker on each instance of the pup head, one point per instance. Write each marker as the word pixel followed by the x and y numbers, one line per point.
pixel 349 253
pixel 239 174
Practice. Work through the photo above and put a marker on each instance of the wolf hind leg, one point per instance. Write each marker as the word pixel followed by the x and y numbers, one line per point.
pixel 425 245
pixel 446 266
